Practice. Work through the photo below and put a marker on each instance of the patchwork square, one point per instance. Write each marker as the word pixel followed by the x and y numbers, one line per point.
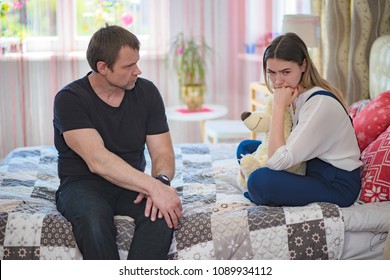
pixel 23 231
pixel 233 247
pixel 21 253
pixel 301 214
pixel 199 251
pixel 195 149
pixel 225 224
pixel 57 231
pixel 310 245
pixel 193 229
pixel 262 217
pixel 125 232
pixel 334 235
pixel 43 193
pixel 59 253
pixel 265 241
pixel 329 210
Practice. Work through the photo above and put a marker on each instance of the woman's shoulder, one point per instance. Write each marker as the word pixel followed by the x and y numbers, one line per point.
pixel 312 92
pixel 304 96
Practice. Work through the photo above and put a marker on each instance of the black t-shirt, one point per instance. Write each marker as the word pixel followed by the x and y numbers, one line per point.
pixel 122 128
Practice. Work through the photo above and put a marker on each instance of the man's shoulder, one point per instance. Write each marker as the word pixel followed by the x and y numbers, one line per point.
pixel 142 82
pixel 76 87
pixel 78 84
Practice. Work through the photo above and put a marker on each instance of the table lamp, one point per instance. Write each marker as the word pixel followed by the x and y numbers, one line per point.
pixel 305 26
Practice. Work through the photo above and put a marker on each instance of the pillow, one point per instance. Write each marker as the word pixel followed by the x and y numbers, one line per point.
pixel 356 107
pixel 375 171
pixel 372 120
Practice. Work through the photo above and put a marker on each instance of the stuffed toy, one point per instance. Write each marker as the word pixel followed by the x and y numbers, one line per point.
pixel 259 122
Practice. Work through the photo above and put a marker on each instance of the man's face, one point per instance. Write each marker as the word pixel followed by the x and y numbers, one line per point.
pixel 125 71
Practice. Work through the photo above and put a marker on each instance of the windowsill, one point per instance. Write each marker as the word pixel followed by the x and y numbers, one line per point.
pixel 250 57
pixel 80 55
pixel 40 56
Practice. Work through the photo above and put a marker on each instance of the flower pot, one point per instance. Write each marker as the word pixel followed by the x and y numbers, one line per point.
pixel 193 96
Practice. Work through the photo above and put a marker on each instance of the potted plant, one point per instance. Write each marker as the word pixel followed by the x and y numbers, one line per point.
pixel 188 57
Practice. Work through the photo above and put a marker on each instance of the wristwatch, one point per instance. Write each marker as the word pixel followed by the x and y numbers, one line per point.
pixel 164 179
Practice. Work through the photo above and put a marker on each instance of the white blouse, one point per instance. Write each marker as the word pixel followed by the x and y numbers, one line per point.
pixel 324 131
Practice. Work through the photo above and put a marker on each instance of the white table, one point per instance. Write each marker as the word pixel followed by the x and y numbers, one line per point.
pixel 208 112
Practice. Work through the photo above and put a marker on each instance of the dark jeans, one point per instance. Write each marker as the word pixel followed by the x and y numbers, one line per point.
pixel 323 183
pixel 90 206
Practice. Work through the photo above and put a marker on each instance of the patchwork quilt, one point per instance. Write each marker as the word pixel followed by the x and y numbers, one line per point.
pixel 218 221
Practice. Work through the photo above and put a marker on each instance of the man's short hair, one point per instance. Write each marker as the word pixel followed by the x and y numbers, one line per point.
pixel 106 43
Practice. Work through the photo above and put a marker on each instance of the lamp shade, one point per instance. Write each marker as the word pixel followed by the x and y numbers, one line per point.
pixel 305 26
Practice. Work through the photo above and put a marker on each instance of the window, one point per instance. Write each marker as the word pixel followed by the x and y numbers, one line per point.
pixel 66 25
pixel 128 13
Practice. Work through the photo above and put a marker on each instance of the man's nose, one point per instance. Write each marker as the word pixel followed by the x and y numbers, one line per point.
pixel 137 72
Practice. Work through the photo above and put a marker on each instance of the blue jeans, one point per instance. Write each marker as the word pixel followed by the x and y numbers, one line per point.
pixel 323 183
pixel 90 206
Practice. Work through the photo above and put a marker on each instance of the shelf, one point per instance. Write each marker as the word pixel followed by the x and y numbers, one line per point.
pixel 250 57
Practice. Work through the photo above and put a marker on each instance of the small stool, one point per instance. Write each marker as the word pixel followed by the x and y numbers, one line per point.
pixel 215 130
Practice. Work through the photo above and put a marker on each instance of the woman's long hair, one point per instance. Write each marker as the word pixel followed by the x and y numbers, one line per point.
pixel 290 47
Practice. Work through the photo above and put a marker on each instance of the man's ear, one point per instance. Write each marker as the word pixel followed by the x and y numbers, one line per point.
pixel 101 67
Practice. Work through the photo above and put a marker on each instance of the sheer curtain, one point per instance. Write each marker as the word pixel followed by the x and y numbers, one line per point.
pixel 30 76
pixel 29 81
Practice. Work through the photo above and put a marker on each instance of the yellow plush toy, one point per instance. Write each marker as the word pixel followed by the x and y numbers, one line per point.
pixel 259 121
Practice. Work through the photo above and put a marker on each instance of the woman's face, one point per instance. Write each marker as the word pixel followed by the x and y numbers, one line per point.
pixel 283 73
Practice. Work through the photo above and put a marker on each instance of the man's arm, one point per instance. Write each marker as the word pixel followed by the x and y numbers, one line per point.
pixel 161 153
pixel 163 163
pixel 89 145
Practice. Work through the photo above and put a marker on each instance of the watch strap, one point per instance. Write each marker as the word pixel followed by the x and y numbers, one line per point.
pixel 164 179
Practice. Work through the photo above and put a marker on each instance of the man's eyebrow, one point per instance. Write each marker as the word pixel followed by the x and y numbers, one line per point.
pixel 131 63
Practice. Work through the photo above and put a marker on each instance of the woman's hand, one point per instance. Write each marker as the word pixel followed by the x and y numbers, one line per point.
pixel 284 96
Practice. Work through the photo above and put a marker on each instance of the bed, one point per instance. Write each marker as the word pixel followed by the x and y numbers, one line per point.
pixel 218 221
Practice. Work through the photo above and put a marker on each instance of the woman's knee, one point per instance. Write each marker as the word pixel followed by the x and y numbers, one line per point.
pixel 259 185
pixel 260 177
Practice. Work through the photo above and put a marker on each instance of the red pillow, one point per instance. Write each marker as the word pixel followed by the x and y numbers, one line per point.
pixel 356 107
pixel 375 171
pixel 372 120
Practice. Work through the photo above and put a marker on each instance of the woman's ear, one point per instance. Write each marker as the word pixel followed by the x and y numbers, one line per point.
pixel 303 66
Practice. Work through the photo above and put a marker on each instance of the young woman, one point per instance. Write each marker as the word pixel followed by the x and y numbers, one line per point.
pixel 322 134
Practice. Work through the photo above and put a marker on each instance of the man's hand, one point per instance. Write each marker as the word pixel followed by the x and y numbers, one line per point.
pixel 163 202
pixel 150 210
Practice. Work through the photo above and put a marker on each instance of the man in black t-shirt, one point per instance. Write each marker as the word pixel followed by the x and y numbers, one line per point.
pixel 101 125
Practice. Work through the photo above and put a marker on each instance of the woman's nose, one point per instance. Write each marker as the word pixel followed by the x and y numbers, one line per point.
pixel 279 80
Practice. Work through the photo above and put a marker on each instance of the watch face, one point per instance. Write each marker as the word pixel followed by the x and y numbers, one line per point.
pixel 164 179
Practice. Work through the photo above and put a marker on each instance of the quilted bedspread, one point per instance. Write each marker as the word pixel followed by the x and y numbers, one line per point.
pixel 218 221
